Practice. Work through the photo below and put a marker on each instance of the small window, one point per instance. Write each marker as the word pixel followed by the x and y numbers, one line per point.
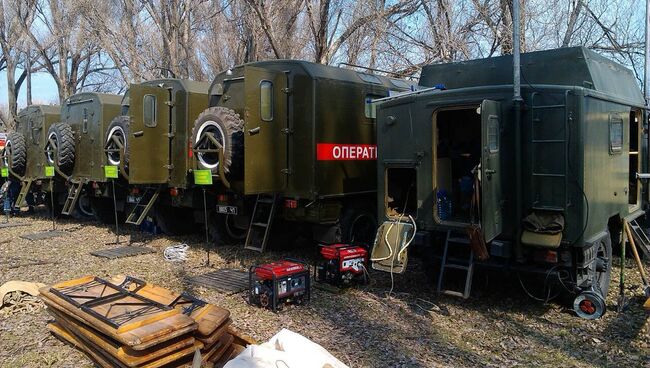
pixel 369 78
pixel 266 100
pixel 615 133
pixel 493 134
pixel 149 113
pixel 85 121
pixel 400 84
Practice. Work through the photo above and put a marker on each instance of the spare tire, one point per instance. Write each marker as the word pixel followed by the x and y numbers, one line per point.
pixel 60 147
pixel 227 128
pixel 118 129
pixel 15 153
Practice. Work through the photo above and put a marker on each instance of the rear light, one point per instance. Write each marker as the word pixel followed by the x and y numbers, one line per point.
pixel 173 192
pixel 135 191
pixel 547 256
pixel 190 152
pixel 222 198
pixel 95 185
pixel 290 203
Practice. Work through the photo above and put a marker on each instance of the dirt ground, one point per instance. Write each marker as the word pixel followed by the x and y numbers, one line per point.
pixel 364 327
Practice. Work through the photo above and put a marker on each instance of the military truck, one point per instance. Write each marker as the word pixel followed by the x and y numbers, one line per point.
pixel 149 142
pixel 23 153
pixel 296 138
pixel 75 147
pixel 447 162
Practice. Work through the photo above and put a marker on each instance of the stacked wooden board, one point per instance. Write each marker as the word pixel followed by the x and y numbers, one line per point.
pixel 125 322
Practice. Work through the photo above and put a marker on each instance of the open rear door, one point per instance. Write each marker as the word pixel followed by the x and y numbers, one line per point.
pixel 265 143
pixel 149 141
pixel 491 197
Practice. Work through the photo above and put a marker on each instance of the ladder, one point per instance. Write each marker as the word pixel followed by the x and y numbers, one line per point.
pixel 71 200
pixel 141 209
pixel 261 221
pixel 24 189
pixel 454 238
pixel 545 144
pixel 641 238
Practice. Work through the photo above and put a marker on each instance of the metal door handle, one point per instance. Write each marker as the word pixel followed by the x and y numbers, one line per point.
pixel 139 133
pixel 254 131
pixel 489 172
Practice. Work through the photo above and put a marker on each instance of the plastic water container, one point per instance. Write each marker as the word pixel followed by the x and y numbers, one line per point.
pixel 444 205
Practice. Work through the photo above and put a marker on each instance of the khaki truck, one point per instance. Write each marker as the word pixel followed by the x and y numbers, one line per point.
pixel 75 148
pixel 449 159
pixel 291 144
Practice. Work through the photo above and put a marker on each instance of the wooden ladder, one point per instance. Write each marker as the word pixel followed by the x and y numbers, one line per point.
pixel 462 264
pixel 259 229
pixel 144 205
pixel 71 200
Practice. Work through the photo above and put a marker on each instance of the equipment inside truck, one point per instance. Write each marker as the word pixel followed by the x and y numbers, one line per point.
pixel 457 157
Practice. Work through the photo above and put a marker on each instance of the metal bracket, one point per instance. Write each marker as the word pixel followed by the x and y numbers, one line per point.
pixel 287 90
pixel 287 171
pixel 287 131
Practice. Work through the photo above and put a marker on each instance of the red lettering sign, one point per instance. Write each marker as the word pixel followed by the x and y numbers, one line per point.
pixel 345 152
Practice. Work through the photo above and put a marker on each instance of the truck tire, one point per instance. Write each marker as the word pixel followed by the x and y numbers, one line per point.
pixel 15 153
pixel 227 127
pixel 63 150
pixel 175 220
pixel 358 224
pixel 223 231
pixel 103 210
pixel 118 128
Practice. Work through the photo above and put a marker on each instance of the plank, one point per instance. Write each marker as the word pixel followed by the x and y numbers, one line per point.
pixel 128 357
pixel 44 235
pixel 140 338
pixel 224 280
pixel 209 340
pixel 122 252
pixel 69 338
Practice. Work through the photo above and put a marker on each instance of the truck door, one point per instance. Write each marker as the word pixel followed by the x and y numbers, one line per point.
pixel 491 214
pixel 149 139
pixel 265 141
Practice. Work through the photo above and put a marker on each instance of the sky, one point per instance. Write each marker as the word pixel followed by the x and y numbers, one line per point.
pixel 44 89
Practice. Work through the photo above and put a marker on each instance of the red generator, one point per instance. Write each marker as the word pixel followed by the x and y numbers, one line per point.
pixel 342 265
pixel 273 284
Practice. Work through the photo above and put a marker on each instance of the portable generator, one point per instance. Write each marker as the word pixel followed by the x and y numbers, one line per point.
pixel 342 265
pixel 274 284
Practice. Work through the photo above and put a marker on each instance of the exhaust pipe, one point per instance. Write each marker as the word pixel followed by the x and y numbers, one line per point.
pixel 517 101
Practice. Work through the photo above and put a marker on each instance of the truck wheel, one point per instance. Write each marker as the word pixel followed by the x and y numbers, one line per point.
pixel 103 210
pixel 175 220
pixel 359 225
pixel 60 147
pixel 15 153
pixel 225 230
pixel 118 130
pixel 83 209
pixel 226 126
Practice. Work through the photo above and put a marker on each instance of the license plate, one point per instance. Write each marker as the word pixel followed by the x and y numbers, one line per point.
pixel 132 199
pixel 227 210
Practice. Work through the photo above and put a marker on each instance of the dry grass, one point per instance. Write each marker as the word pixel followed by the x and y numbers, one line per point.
pixel 499 326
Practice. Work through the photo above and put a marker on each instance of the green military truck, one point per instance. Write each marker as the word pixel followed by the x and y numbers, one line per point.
pixel 75 147
pixel 23 153
pixel 296 138
pixel 149 143
pixel 447 170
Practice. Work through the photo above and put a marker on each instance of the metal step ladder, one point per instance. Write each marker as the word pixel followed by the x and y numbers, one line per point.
pixel 641 238
pixel 71 200
pixel 24 189
pixel 456 239
pixel 259 229
pixel 144 205
pixel 542 114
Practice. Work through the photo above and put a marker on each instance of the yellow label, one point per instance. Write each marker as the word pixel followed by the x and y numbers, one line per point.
pixel 110 172
pixel 49 171
pixel 5 172
pixel 202 177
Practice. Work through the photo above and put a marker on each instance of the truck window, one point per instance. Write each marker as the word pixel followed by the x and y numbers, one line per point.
pixel 266 100
pixel 615 133
pixel 493 134
pixel 84 126
pixel 149 113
